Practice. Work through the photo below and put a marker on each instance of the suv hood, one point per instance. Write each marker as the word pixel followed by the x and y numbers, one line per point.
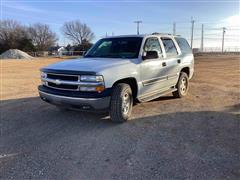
pixel 88 64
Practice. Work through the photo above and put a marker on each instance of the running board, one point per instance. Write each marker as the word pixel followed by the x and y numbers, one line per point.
pixel 156 95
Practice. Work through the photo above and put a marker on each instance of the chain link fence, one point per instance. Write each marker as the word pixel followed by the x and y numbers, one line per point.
pixel 56 53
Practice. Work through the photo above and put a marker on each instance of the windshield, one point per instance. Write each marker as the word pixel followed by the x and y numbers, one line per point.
pixel 125 47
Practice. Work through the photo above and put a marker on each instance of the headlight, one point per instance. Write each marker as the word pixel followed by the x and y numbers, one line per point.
pixel 90 78
pixel 43 75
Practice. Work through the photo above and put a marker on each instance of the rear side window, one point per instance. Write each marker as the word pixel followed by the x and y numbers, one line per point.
pixel 183 44
pixel 169 47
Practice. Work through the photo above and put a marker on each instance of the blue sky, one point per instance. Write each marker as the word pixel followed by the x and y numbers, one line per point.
pixel 117 16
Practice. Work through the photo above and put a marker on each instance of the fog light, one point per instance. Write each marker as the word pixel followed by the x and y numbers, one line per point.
pixel 86 107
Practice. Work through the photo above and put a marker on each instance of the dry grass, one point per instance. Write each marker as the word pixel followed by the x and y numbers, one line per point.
pixel 19 78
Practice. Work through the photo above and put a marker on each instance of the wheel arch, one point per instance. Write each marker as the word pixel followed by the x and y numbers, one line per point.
pixel 132 82
pixel 186 70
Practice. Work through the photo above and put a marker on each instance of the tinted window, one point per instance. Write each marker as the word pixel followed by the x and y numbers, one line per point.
pixel 183 44
pixel 152 44
pixel 125 47
pixel 169 47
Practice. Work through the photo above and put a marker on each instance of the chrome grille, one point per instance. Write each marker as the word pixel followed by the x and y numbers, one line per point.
pixel 63 77
pixel 66 82
pixel 62 86
pixel 62 81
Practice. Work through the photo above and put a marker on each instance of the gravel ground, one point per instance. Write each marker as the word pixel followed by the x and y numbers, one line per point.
pixel 197 137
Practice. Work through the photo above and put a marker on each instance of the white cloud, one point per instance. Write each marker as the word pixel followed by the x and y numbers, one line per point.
pixel 213 33
pixel 232 20
pixel 22 7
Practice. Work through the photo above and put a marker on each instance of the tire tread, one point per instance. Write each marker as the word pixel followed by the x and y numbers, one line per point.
pixel 115 112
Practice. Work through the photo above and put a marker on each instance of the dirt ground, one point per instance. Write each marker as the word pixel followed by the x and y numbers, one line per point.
pixel 197 137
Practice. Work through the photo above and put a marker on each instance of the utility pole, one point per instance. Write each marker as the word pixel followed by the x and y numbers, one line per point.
pixel 137 22
pixel 192 21
pixel 174 28
pixel 202 39
pixel 223 35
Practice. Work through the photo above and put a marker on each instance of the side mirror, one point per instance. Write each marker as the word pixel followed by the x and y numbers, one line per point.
pixel 150 55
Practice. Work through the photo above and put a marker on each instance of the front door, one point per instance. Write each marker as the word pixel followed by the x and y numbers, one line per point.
pixel 153 71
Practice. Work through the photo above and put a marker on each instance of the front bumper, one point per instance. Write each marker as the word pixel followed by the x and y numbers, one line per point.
pixel 87 104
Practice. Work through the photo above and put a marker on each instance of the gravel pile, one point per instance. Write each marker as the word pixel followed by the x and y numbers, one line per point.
pixel 15 54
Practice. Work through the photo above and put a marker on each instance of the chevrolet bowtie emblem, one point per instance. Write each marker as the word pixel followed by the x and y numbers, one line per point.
pixel 57 81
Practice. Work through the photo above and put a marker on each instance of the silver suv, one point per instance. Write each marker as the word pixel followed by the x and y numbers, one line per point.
pixel 118 71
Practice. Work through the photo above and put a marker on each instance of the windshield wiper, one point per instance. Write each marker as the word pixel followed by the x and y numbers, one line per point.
pixel 107 56
pixel 89 56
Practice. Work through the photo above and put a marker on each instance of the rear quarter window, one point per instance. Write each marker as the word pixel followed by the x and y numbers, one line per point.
pixel 183 45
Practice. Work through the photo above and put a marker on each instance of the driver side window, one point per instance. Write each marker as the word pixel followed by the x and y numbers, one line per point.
pixel 152 44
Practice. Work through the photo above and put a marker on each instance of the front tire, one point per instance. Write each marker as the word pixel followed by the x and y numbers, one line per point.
pixel 182 86
pixel 121 103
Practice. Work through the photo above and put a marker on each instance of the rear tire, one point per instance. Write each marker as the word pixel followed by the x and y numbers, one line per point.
pixel 121 103
pixel 182 86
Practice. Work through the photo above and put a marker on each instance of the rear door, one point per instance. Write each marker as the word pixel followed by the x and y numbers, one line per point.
pixel 172 60
pixel 186 56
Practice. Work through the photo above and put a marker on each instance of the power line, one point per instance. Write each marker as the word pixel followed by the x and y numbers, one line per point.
pixel 234 29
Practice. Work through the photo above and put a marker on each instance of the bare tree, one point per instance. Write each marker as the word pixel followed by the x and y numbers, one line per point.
pixel 13 36
pixel 42 37
pixel 77 32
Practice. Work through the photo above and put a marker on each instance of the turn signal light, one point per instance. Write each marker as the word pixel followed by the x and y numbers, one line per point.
pixel 100 88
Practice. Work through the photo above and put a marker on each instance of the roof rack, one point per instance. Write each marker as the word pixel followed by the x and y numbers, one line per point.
pixel 176 35
pixel 157 33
